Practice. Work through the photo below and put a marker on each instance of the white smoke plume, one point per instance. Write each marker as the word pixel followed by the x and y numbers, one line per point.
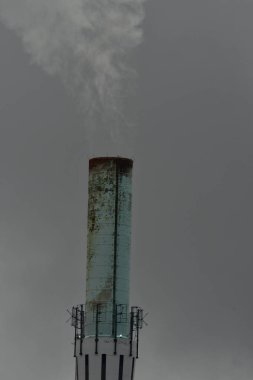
pixel 84 42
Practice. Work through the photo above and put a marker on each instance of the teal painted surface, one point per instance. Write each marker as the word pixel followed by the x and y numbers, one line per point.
pixel 109 239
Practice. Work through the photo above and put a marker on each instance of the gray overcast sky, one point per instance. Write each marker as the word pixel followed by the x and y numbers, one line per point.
pixel 193 211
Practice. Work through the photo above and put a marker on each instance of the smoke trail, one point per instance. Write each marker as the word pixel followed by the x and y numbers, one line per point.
pixel 84 42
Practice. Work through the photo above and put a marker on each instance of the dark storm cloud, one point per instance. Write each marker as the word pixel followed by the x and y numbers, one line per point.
pixel 192 222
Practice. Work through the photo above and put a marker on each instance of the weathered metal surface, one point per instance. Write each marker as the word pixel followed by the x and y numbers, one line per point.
pixel 108 251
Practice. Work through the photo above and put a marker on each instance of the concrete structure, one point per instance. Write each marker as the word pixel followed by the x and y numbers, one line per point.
pixel 106 334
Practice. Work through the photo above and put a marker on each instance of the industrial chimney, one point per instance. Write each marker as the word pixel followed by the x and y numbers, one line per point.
pixel 106 334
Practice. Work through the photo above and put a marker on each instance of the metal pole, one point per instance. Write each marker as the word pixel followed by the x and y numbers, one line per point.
pixel 115 329
pixel 137 333
pixel 115 244
pixel 75 332
pixel 81 338
pixel 96 339
pixel 131 331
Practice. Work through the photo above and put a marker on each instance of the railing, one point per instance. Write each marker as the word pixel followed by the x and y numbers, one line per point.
pixel 100 316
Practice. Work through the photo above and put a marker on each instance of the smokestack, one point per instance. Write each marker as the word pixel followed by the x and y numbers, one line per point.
pixel 106 334
pixel 109 235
